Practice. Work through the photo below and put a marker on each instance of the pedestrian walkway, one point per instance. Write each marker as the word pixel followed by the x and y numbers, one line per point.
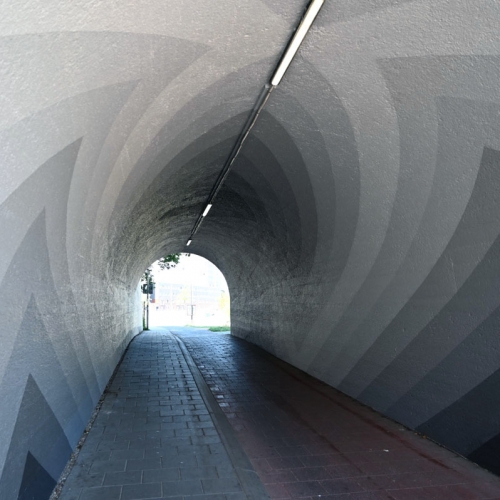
pixel 193 414
pixel 156 437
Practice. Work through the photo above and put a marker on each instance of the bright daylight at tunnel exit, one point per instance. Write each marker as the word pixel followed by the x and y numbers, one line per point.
pixel 250 249
pixel 185 290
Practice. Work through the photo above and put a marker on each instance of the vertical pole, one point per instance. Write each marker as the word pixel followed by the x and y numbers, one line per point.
pixel 147 303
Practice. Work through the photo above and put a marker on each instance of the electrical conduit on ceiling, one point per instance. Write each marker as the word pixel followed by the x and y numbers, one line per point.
pixel 288 55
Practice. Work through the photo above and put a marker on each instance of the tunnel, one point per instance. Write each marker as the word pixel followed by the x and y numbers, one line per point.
pixel 358 228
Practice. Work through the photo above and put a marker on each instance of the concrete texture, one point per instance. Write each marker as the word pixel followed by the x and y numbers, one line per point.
pixel 358 230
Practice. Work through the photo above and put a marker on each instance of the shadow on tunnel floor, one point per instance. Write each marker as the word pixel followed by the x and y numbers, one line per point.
pixel 308 440
pixel 196 414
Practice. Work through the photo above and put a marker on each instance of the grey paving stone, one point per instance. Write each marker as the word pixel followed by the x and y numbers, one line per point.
pixel 215 439
pixel 141 491
pixel 177 441
pixel 216 460
pixel 151 426
pixel 161 434
pixel 217 448
pixel 120 478
pixel 185 488
pixel 226 470
pixel 107 466
pixel 154 437
pixel 127 454
pixel 168 413
pixel 192 448
pixel 180 461
pixel 176 426
pixel 221 485
pixel 104 437
pixel 184 418
pixel 160 475
pixel 209 497
pixel 71 493
pixel 112 445
pixel 189 432
pixel 99 456
pixel 144 444
pixel 84 480
pixel 242 496
pixel 103 493
pixel 157 453
pixel 210 432
pixel 199 473
pixel 204 424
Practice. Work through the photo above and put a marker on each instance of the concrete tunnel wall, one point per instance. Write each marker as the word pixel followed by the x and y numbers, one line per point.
pixel 358 230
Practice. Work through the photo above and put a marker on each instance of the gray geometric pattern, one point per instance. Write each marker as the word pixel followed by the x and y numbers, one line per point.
pixel 358 230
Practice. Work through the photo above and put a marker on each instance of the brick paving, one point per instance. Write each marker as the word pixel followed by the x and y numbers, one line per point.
pixel 158 434
pixel 154 436
pixel 307 440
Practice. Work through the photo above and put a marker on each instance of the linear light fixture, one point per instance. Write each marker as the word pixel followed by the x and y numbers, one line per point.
pixel 294 44
pixel 297 39
pixel 207 209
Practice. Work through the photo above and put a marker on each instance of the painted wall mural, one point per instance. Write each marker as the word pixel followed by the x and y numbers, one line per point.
pixel 358 230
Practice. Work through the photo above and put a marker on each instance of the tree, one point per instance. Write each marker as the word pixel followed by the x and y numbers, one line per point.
pixel 169 261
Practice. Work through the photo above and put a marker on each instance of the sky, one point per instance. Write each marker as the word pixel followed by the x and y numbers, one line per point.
pixel 194 270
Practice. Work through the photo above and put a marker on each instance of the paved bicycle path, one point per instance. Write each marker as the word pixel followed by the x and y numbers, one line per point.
pixel 156 436
pixel 198 415
pixel 306 440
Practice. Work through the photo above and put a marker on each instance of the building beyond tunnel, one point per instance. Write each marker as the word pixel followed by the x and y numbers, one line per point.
pixel 358 229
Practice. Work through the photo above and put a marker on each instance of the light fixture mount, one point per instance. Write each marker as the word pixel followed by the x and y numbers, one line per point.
pixel 290 51
pixel 207 209
pixel 297 39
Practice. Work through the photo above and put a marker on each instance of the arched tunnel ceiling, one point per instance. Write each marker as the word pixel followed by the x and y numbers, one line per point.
pixel 358 228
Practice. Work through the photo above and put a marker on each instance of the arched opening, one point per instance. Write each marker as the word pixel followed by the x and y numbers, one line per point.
pixel 192 292
pixel 357 228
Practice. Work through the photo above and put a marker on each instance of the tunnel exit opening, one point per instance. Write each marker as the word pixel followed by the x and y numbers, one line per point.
pixel 192 292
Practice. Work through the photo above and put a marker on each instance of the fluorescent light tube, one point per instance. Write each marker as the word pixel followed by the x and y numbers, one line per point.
pixel 188 242
pixel 297 39
pixel 207 209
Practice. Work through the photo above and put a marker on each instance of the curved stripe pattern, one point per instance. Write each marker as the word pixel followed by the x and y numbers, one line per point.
pixel 358 230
